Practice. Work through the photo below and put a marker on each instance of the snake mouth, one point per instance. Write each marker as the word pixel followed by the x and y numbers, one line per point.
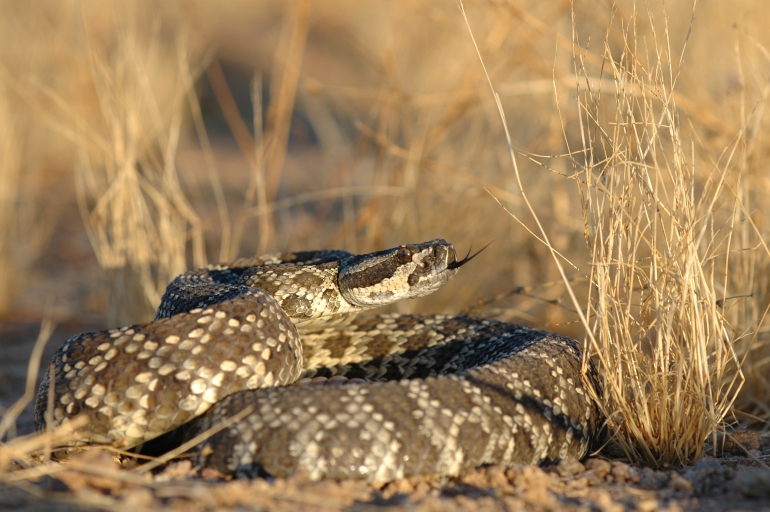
pixel 432 265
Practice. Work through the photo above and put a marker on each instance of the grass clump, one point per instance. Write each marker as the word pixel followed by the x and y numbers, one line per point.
pixel 670 245
pixel 24 232
pixel 137 218
pixel 673 250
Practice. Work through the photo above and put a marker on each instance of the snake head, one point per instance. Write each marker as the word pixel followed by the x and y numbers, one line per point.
pixel 403 272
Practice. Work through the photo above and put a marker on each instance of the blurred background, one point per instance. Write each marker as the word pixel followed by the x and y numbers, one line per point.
pixel 139 139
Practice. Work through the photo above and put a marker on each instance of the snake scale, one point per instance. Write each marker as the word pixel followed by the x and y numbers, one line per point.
pixel 428 394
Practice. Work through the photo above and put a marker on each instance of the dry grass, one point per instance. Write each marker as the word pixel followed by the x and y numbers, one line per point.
pixel 375 126
pixel 670 246
pixel 9 190
pixel 136 216
pixel 663 240
pixel 24 232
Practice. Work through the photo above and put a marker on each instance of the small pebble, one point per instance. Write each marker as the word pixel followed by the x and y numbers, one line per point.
pixel 569 467
pixel 649 481
pixel 677 483
pixel 599 467
pixel 622 472
pixel 754 483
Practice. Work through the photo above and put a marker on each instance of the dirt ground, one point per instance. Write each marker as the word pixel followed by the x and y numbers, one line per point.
pixel 95 481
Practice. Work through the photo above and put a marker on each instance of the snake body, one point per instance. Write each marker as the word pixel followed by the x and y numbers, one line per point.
pixel 441 394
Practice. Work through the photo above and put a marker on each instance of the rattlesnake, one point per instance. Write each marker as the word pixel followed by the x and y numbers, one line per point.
pixel 443 393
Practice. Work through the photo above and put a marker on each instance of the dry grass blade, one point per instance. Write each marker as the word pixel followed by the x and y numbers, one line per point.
pixel 195 441
pixel 9 191
pixel 24 448
pixel 284 92
pixel 555 255
pixel 23 235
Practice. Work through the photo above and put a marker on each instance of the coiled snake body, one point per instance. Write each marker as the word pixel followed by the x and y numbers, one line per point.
pixel 443 393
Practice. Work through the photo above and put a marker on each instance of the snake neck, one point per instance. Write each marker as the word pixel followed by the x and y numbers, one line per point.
pixel 308 294
pixel 330 293
pixel 319 289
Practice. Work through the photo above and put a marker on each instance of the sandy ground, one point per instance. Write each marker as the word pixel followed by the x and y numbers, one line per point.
pixel 94 480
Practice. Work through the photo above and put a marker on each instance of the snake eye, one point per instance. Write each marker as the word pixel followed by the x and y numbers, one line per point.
pixel 403 254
